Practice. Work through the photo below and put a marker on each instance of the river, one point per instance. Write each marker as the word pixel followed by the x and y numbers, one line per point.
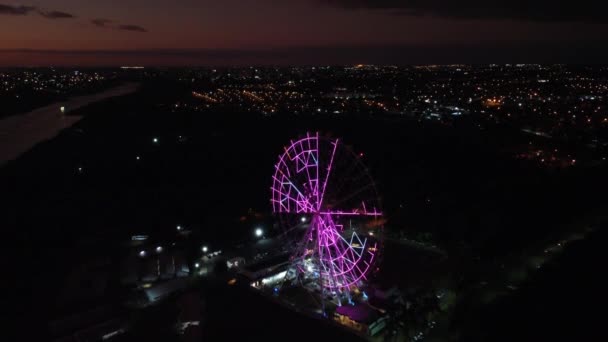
pixel 19 133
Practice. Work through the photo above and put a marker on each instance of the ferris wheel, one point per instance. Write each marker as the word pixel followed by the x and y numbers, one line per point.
pixel 329 212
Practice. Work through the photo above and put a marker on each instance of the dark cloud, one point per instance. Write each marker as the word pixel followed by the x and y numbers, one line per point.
pixel 56 15
pixel 529 10
pixel 25 10
pixel 51 14
pixel 16 10
pixel 101 22
pixel 109 24
pixel 133 28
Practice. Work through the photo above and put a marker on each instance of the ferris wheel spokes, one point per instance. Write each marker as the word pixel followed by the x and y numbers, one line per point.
pixel 331 161
pixel 327 202
pixel 340 259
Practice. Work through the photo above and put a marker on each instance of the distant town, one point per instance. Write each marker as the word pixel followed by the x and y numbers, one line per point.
pixel 557 102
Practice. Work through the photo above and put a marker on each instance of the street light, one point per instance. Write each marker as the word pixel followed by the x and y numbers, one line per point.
pixel 303 219
pixel 259 232
pixel 179 228
pixel 142 253
pixel 197 265
pixel 205 249
pixel 159 249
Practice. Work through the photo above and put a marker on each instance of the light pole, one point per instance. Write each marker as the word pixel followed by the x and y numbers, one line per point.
pixel 159 250
pixel 141 266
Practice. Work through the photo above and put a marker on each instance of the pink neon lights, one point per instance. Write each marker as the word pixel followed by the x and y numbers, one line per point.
pixel 341 261
pixel 331 161
pixel 351 213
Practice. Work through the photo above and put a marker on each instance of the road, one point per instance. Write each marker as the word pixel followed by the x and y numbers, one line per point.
pixel 19 133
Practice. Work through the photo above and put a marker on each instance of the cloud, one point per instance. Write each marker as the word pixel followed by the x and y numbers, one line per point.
pixel 101 22
pixel 16 10
pixel 531 10
pixel 26 10
pixel 21 10
pixel 109 24
pixel 56 15
pixel 133 28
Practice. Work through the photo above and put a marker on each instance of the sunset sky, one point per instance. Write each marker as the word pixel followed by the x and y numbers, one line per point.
pixel 66 32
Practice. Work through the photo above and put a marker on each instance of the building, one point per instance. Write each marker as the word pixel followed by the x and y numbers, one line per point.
pixel 360 317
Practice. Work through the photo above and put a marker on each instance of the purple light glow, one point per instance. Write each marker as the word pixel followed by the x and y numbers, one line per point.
pixel 351 213
pixel 341 262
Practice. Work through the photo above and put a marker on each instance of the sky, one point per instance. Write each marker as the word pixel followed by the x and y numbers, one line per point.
pixel 226 32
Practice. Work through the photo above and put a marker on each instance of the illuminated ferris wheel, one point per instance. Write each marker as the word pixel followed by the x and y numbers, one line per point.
pixel 330 211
